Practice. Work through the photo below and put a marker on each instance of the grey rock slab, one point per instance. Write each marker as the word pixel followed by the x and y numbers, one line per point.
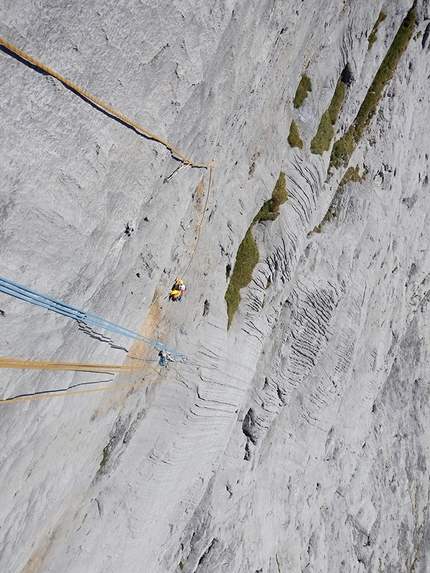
pixel 298 439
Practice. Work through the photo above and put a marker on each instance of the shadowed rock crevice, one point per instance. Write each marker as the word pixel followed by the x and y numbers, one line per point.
pixel 347 75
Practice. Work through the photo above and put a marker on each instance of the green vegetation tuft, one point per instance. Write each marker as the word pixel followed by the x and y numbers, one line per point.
pixel 280 193
pixel 294 138
pixel 270 209
pixel 373 34
pixel 325 133
pixel 343 148
pixel 246 259
pixel 105 457
pixel 353 174
pixel 323 136
pixel 303 88
pixel 329 215
pixel 247 254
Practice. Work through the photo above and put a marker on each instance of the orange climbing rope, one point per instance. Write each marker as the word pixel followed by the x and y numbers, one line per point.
pixel 99 103
pixel 79 367
pixel 73 366
pixel 201 220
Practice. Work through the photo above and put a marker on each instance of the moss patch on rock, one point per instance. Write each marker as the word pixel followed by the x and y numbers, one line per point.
pixel 325 133
pixel 373 34
pixel 294 138
pixel 270 209
pixel 246 259
pixel 351 174
pixel 303 89
pixel 343 148
pixel 247 254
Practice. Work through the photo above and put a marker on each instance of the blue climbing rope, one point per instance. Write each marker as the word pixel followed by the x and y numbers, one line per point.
pixel 28 295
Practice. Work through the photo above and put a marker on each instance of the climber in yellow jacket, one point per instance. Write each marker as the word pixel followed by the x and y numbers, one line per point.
pixel 178 290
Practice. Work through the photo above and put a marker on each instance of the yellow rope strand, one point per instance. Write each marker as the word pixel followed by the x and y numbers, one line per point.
pixel 96 101
pixel 201 220
pixel 73 366
pixel 87 391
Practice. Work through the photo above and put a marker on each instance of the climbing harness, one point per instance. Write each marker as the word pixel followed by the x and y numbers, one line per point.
pixel 28 295
pixel 99 103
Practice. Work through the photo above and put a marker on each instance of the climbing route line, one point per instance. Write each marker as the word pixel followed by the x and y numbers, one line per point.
pixel 21 364
pixel 201 220
pixel 64 393
pixel 75 366
pixel 99 103
pixel 28 295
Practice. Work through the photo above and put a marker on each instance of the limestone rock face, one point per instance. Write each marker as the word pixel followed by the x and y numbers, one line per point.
pixel 296 440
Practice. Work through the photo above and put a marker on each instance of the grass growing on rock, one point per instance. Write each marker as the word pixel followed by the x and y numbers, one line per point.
pixel 247 254
pixel 294 138
pixel 270 209
pixel 105 457
pixel 246 259
pixel 303 89
pixel 343 148
pixel 325 133
pixel 351 174
pixel 373 34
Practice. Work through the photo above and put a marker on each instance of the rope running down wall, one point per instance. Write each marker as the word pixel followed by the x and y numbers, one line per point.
pixel 99 103
pixel 87 391
pixel 74 366
pixel 201 220
pixel 28 295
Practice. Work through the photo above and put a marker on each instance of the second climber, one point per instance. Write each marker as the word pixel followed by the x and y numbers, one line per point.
pixel 177 291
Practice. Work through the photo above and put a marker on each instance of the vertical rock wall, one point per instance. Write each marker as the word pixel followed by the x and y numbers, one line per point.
pixel 298 439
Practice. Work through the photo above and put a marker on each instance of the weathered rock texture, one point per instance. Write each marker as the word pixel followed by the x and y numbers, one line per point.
pixel 298 440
